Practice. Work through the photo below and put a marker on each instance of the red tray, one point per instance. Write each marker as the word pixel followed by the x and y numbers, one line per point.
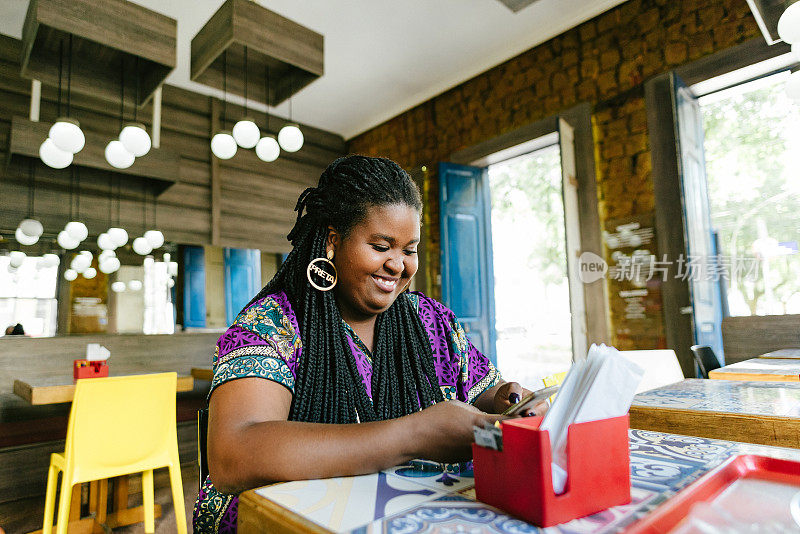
pixel 669 515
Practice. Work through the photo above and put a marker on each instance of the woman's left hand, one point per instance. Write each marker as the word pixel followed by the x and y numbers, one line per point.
pixel 511 393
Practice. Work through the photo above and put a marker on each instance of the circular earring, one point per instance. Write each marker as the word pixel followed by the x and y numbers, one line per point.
pixel 321 272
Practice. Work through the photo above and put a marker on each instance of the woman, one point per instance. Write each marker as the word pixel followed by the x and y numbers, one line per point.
pixel 334 338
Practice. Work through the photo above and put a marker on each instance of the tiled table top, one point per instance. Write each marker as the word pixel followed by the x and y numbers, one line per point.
pixel 412 501
pixel 738 397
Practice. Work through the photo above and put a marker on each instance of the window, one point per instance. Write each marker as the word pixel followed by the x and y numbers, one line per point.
pixel 28 296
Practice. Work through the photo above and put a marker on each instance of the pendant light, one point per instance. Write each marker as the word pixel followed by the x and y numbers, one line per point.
pixel 70 275
pixel 245 132
pixel 134 136
pixel 141 245
pixel 29 229
pixel 223 145
pixel 290 137
pixel 54 157
pixel 76 229
pixel 66 133
pixel 118 287
pixel 267 148
pixel 154 237
pixel 116 154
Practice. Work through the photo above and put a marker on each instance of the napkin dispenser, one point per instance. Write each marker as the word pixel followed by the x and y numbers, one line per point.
pixel 94 365
pixel 89 369
pixel 518 478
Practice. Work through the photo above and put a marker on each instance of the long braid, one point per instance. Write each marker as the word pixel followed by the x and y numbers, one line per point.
pixel 328 385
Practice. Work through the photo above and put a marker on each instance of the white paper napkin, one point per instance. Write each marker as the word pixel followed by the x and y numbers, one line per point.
pixel 95 351
pixel 600 387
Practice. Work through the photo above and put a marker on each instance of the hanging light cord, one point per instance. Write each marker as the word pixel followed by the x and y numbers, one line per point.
pixel 71 192
pixel 121 92
pixel 136 102
pixel 245 81
pixel 60 69
pixel 77 190
pixel 266 91
pixel 69 78
pixel 31 186
pixel 224 87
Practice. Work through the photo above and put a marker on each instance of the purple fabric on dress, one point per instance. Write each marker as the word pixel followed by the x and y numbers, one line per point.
pixel 436 320
pixel 363 364
pixel 283 302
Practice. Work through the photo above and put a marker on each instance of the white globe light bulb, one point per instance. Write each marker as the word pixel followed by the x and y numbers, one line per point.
pixel 65 241
pixel 142 246
pixel 167 257
pixel 246 133
pixel 155 238
pixel 105 242
pixel 31 227
pixel 290 138
pixel 80 263
pixel 118 156
pixel 54 157
pixel 789 24
pixel 170 283
pixel 118 236
pixel 77 230
pixel 105 255
pixel 172 268
pixel 16 257
pixel 268 149
pixel 87 254
pixel 70 274
pixel 135 139
pixel 109 265
pixel 23 239
pixel 118 287
pixel 67 135
pixel 223 145
pixel 135 285
pixel 90 273
pixel 51 260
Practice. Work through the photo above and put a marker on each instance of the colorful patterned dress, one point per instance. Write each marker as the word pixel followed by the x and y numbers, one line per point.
pixel 264 342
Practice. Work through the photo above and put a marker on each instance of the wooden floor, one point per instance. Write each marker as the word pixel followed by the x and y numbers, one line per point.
pixel 26 515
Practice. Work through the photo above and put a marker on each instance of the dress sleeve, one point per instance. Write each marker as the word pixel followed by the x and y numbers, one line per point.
pixel 261 343
pixel 463 371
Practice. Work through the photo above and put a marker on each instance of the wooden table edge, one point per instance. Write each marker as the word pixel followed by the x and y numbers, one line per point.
pixel 254 508
pixel 202 373
pixel 668 420
pixel 65 392
pixel 752 377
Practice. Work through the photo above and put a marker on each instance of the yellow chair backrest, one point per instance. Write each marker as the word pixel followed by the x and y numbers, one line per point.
pixel 121 425
pixel 554 379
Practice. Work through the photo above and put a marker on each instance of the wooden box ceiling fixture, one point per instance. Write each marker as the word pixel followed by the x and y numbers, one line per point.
pixel 105 34
pixel 293 53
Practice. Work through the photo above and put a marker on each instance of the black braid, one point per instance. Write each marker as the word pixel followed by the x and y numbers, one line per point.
pixel 328 386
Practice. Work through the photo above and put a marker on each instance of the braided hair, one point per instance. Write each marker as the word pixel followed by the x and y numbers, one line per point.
pixel 328 386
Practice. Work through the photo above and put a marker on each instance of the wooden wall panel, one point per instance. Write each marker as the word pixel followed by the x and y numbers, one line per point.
pixel 747 337
pixel 258 197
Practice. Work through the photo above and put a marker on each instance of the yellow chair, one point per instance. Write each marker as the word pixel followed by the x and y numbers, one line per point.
pixel 118 426
pixel 554 380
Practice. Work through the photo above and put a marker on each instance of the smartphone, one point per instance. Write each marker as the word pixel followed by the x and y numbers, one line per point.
pixel 529 401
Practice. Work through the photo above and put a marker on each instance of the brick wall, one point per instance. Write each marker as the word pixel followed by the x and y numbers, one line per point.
pixel 604 61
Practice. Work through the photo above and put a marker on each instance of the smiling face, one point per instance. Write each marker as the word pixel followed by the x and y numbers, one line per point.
pixel 376 261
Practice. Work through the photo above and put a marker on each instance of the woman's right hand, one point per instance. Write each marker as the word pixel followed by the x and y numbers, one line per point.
pixel 443 432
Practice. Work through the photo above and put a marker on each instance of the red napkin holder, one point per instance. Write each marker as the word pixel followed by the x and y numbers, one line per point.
pixel 89 369
pixel 518 479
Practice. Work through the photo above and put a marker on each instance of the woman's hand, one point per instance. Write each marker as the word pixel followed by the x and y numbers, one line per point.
pixel 444 430
pixel 511 393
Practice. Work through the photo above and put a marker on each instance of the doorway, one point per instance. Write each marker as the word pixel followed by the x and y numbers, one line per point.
pixel 533 319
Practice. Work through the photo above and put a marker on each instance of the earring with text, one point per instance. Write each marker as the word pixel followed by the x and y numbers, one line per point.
pixel 321 273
